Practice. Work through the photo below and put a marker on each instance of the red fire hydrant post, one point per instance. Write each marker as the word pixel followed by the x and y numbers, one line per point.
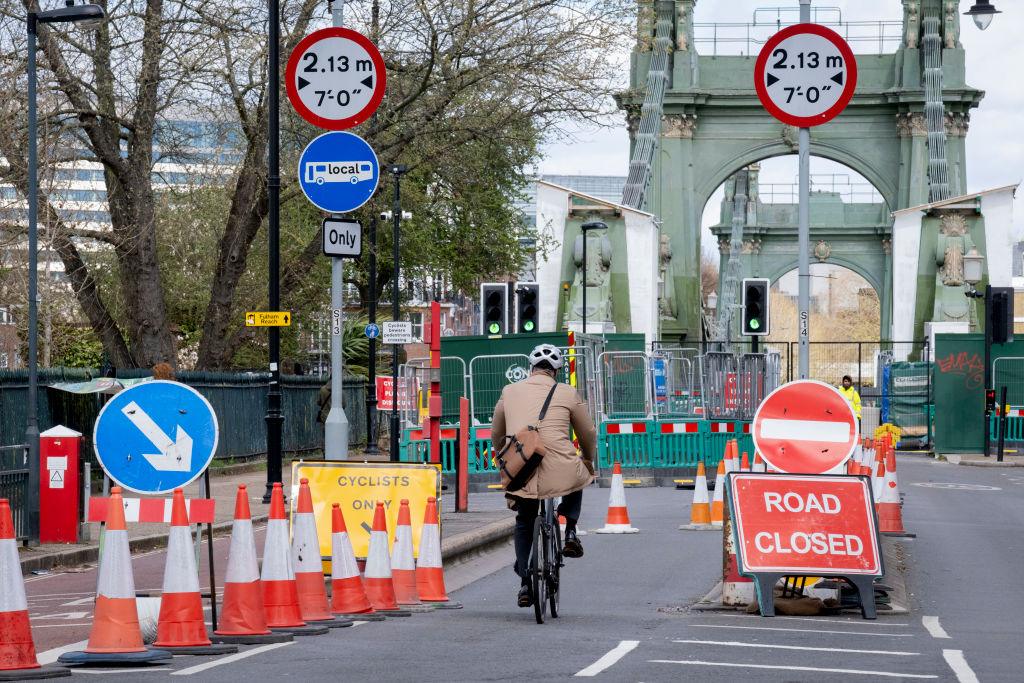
pixel 58 485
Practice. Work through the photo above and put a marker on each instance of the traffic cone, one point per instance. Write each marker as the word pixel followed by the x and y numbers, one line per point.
pixel 380 590
pixel 745 463
pixel 730 457
pixel 617 521
pixel 700 508
pixel 878 480
pixel 429 567
pixel 718 501
pixel 347 594
pixel 889 506
pixel 403 564
pixel 181 628
pixel 562 522
pixel 309 569
pixel 280 592
pixel 759 465
pixel 242 618
pixel 115 637
pixel 17 650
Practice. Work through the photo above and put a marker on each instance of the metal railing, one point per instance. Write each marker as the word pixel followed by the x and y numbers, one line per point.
pixel 488 375
pixel 14 485
pixel 624 385
pixel 789 193
pixel 1008 372
pixel 747 38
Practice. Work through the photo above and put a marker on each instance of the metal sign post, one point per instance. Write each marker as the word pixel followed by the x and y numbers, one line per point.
pixel 805 76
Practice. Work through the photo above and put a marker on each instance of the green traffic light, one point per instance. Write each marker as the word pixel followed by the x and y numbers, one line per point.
pixel 528 326
pixel 755 324
pixel 494 328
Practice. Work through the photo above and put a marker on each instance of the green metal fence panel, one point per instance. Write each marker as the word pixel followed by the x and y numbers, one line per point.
pixel 488 375
pixel 415 447
pixel 1014 427
pixel 632 444
pixel 682 448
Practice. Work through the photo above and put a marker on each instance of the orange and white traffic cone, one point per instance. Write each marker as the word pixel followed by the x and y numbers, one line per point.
pixel 759 465
pixel 309 569
pixel 429 567
pixel 115 637
pixel 17 650
pixel 700 508
pixel 380 589
pixel 617 521
pixel 181 628
pixel 348 597
pixel 745 463
pixel 562 521
pixel 718 501
pixel 280 592
pixel 878 480
pixel 403 564
pixel 242 618
pixel 731 464
pixel 889 506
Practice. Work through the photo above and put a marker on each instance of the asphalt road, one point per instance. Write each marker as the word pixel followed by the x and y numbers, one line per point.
pixel 626 618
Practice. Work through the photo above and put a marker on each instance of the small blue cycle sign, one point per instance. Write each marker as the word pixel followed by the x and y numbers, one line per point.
pixel 338 172
pixel 372 331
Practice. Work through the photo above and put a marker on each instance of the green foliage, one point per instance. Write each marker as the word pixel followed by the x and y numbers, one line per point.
pixel 76 347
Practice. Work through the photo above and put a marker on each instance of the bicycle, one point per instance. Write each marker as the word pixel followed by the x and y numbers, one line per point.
pixel 546 561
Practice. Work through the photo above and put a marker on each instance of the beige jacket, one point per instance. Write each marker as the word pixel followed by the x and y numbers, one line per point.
pixel 562 471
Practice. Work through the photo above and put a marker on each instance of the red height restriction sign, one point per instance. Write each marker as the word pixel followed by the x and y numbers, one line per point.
pixel 805 75
pixel 805 427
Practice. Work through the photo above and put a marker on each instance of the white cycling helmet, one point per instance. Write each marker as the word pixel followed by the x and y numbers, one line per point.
pixel 547 352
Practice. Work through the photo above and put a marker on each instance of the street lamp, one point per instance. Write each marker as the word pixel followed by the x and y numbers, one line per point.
pixel 587 227
pixel 86 15
pixel 982 12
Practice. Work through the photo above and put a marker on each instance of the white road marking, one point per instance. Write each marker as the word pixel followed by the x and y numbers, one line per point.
pixel 805 430
pixel 888 674
pixel 610 658
pixel 849 622
pixel 134 670
pixel 809 630
pixel 66 616
pixel 50 656
pixel 199 668
pixel 956 661
pixel 734 643
pixel 79 602
pixel 934 628
pixel 84 623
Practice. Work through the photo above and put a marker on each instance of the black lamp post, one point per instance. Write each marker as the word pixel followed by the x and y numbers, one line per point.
pixel 86 15
pixel 587 227
pixel 982 12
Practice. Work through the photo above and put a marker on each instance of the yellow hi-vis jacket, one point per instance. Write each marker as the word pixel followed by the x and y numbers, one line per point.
pixel 852 397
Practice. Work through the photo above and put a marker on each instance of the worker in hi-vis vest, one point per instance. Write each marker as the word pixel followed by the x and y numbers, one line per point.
pixel 849 392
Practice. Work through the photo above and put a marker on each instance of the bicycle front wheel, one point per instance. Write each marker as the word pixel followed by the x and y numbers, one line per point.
pixel 554 562
pixel 537 579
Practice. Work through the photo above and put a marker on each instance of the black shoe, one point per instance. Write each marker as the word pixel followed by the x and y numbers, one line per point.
pixel 573 547
pixel 525 599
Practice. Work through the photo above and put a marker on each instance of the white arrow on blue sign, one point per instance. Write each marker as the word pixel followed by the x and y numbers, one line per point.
pixel 156 436
pixel 338 172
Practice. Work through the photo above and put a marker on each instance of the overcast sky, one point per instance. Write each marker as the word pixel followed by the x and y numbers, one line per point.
pixel 995 143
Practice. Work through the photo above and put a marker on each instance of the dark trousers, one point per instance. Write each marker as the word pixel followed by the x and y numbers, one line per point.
pixel 526 514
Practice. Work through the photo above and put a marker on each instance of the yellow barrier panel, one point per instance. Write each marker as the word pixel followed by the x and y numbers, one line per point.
pixel 357 487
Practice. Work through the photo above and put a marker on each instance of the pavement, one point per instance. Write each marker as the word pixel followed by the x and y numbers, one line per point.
pixel 979 460
pixel 626 607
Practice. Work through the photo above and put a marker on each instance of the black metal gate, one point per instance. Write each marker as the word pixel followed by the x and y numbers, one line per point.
pixel 14 485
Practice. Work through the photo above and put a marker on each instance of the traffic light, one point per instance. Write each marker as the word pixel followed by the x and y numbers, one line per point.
pixel 493 308
pixel 755 307
pixel 999 310
pixel 527 307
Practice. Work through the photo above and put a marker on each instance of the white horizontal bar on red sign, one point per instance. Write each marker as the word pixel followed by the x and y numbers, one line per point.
pixel 627 427
pixel 153 510
pixel 679 427
pixel 805 430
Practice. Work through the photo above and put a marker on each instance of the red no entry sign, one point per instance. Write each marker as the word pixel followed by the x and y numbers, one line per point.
pixel 793 524
pixel 335 78
pixel 805 75
pixel 806 427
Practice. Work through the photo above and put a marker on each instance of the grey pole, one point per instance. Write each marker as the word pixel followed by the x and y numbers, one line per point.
pixel 804 232
pixel 336 425
pixel 396 218
pixel 32 423
pixel 583 278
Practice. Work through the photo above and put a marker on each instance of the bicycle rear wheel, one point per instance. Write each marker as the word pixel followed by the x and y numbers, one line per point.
pixel 537 581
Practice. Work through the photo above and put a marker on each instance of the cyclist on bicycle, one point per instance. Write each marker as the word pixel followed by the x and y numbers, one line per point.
pixel 562 471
